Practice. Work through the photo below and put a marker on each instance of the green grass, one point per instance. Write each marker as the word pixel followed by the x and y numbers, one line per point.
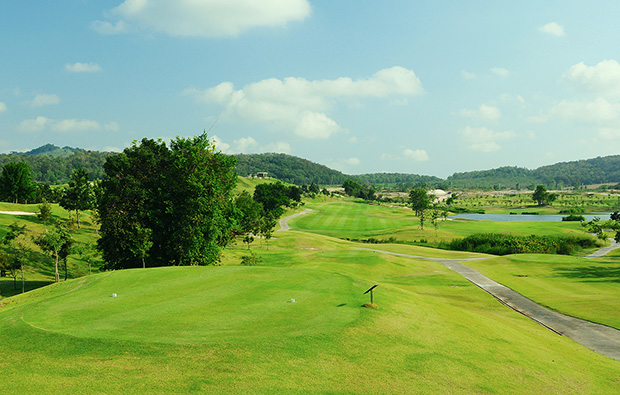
pixel 584 288
pixel 358 220
pixel 233 329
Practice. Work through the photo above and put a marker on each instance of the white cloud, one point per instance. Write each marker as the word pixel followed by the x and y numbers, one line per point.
pixel 245 145
pixel 597 111
pixel 2 107
pixel 483 139
pixel 75 125
pixel 109 28
pixel 220 145
pixel 66 125
pixel 110 148
pixel 467 75
pixel 249 145
pixel 553 29
pixel 202 18
pixel 484 111
pixel 301 105
pixel 500 71
pixel 45 100
pixel 279 147
pixel 602 79
pixel 80 67
pixel 345 165
pixel 418 155
pixel 609 133
pixel 313 125
pixel 112 126
pixel 33 125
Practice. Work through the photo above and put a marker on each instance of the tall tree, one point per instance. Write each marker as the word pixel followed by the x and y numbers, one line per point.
pixel 16 183
pixel 420 201
pixel 54 241
pixel 182 194
pixel 249 215
pixel 79 194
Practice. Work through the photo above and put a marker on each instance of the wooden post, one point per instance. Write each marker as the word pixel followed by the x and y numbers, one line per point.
pixel 370 290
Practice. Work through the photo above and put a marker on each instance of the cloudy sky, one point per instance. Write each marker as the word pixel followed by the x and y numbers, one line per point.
pixel 427 87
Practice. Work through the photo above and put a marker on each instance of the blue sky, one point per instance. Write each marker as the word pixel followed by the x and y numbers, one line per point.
pixel 426 87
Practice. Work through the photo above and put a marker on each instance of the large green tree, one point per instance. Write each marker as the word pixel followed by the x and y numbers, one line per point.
pixel 275 196
pixel 542 196
pixel 16 183
pixel 79 194
pixel 180 197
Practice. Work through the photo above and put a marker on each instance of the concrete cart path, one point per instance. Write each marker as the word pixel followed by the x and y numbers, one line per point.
pixel 599 338
pixel 284 221
pixel 604 251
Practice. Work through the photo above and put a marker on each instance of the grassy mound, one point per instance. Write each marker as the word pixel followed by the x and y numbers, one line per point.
pixel 198 304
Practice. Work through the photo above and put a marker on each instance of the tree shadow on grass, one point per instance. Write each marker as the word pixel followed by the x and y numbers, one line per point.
pixel 591 273
pixel 9 287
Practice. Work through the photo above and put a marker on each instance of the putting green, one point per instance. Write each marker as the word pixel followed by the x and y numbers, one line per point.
pixel 200 305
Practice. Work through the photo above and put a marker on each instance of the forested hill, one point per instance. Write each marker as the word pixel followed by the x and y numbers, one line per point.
pixel 564 174
pixel 301 171
pixel 53 165
pixel 288 168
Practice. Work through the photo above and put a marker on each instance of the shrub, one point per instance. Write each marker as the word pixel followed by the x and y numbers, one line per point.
pixel 504 244
pixel 574 217
pixel 251 260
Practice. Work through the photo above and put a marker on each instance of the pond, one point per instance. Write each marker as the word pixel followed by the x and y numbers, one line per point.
pixel 525 217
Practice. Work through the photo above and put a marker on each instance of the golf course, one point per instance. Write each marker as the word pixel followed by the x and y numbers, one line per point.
pixel 294 323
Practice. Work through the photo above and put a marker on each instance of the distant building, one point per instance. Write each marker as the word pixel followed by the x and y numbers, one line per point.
pixel 261 174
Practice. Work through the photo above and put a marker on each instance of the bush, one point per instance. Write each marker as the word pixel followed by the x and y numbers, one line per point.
pixel 251 260
pixel 574 217
pixel 504 244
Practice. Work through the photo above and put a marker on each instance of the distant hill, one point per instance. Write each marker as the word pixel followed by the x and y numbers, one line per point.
pixel 564 174
pixel 51 150
pixel 288 168
pixel 52 164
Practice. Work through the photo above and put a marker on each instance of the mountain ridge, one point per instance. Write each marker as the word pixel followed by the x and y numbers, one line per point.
pixel 43 161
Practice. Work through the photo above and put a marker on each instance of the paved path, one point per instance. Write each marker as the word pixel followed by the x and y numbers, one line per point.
pixel 284 221
pixel 604 251
pixel 600 338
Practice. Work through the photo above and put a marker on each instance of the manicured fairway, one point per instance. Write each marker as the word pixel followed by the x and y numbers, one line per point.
pixel 358 220
pixel 199 305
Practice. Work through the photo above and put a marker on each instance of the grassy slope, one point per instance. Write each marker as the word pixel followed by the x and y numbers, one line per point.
pixel 233 329
pixel 585 288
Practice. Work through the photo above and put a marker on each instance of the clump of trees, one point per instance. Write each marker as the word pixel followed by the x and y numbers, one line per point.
pixel 163 205
pixel 542 196
pixel 258 214
pixel 355 189
pixel 16 184
pixel 600 228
